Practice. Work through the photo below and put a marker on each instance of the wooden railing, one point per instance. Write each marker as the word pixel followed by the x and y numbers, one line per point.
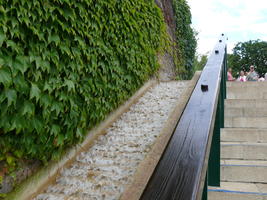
pixel 191 160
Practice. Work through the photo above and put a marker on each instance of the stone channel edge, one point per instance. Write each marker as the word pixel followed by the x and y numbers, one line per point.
pixel 146 168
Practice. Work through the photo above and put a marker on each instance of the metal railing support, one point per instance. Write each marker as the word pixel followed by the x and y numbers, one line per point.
pixel 183 172
pixel 214 160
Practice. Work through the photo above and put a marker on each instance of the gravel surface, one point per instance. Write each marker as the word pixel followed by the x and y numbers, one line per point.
pixel 102 172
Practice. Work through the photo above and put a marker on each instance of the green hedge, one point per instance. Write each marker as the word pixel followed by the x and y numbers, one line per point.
pixel 186 39
pixel 64 65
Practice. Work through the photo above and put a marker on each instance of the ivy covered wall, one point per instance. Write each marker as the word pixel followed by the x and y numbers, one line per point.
pixel 64 65
pixel 185 38
pixel 177 17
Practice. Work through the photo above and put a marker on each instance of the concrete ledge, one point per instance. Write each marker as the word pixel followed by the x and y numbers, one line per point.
pixel 36 183
pixel 147 166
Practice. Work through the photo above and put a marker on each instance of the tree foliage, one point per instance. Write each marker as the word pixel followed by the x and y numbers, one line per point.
pixel 200 62
pixel 253 52
pixel 186 38
pixel 64 65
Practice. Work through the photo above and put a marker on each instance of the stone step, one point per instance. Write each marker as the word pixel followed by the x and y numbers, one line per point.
pixel 245 112
pixel 238 191
pixel 244 151
pixel 245 103
pixel 244 135
pixel 248 90
pixel 234 93
pixel 244 171
pixel 248 84
pixel 245 122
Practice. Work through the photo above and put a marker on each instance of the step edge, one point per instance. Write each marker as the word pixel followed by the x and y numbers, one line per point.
pixel 238 192
pixel 241 128
pixel 233 165
pixel 263 144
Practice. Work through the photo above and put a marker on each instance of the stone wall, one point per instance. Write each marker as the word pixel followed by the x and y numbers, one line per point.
pixel 167 70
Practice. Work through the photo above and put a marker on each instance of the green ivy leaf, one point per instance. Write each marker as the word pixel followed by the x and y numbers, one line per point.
pixel 57 106
pixel 18 153
pixel 70 85
pixel 47 87
pixel 12 44
pixel 21 64
pixel 2 37
pixel 11 96
pixel 60 140
pixel 21 84
pixel 64 48
pixel 37 124
pixel 28 108
pixel 17 123
pixel 35 92
pixel 8 60
pixel 5 77
pixel 55 129
pixel 10 160
pixel 46 66
pixel 79 133
pixel 2 98
pixel 46 101
pixel 2 62
pixel 54 38
pixel 38 61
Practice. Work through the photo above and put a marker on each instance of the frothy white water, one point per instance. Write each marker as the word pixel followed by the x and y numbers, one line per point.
pixel 102 172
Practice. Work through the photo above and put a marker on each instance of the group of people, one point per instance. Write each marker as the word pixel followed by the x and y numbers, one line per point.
pixel 252 75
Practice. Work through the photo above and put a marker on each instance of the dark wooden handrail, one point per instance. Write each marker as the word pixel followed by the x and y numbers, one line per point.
pixel 181 171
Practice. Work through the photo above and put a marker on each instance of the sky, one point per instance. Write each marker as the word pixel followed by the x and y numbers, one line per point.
pixel 240 20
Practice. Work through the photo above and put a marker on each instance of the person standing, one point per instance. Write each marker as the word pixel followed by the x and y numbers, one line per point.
pixel 242 76
pixel 229 75
pixel 252 74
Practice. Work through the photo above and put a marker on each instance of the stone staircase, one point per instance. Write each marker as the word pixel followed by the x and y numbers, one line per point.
pixel 243 144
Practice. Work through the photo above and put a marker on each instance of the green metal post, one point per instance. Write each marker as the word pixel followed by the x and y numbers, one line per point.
pixel 225 73
pixel 215 157
pixel 205 190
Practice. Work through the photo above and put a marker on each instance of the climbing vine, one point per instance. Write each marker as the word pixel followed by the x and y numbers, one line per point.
pixel 64 65
pixel 186 39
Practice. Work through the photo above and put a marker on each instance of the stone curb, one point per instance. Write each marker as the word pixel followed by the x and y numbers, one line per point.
pixel 45 176
pixel 146 168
